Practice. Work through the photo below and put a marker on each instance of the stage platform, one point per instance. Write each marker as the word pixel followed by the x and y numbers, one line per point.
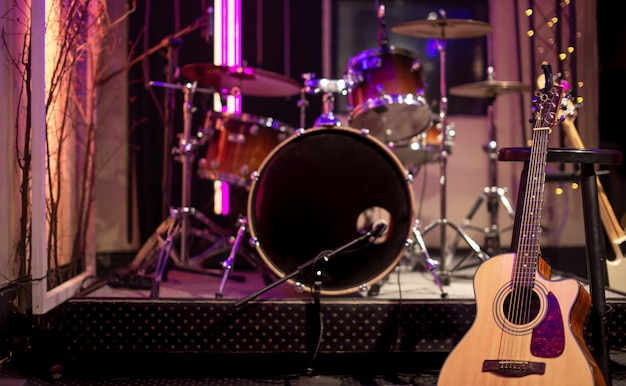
pixel 185 333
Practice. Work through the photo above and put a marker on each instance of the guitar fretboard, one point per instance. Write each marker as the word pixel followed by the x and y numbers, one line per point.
pixel 530 222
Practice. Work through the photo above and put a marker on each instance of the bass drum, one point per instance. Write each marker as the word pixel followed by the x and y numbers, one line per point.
pixel 318 191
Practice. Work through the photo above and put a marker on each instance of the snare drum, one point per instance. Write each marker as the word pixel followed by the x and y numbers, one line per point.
pixel 237 144
pixel 321 189
pixel 387 94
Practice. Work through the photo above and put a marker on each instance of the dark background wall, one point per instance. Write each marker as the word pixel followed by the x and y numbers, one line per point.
pixel 612 79
pixel 267 27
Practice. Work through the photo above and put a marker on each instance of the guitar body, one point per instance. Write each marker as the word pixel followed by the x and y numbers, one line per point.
pixel 616 272
pixel 546 348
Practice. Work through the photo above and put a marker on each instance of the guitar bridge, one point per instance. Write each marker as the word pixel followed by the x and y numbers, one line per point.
pixel 512 368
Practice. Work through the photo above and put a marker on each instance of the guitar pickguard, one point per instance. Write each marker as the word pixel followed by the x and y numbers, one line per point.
pixel 548 338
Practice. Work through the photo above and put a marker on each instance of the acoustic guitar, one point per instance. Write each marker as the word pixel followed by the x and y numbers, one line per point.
pixel 528 328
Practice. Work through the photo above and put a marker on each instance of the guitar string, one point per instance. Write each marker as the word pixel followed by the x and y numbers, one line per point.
pixel 524 287
pixel 526 261
pixel 531 260
pixel 507 347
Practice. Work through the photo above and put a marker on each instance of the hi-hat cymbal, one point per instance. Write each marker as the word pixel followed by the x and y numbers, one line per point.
pixel 249 81
pixel 443 28
pixel 488 89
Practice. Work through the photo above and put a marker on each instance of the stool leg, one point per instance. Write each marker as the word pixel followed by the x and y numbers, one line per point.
pixel 596 266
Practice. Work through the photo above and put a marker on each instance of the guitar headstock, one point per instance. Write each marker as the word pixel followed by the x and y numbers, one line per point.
pixel 547 102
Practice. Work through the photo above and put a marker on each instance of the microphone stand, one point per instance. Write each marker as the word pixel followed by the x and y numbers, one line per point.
pixel 325 256
pixel 198 23
pixel 169 100
pixel 375 232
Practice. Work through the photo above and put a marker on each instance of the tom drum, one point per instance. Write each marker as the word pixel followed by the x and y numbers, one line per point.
pixel 238 144
pixel 387 93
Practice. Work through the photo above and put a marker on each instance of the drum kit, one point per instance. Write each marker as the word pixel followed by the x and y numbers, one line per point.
pixel 312 190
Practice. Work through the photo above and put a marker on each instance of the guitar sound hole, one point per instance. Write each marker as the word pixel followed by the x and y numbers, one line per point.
pixel 521 306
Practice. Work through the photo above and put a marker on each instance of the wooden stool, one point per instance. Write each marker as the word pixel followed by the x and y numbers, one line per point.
pixel 595 250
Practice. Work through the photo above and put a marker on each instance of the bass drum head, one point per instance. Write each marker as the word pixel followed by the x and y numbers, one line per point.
pixel 317 192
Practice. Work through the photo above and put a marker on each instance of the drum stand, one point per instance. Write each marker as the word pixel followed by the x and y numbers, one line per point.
pixel 443 222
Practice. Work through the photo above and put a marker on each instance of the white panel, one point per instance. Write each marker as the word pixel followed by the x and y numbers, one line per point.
pixel 113 204
pixel 38 242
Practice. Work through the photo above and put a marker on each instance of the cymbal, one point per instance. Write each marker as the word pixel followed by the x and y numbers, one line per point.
pixel 443 28
pixel 249 81
pixel 488 89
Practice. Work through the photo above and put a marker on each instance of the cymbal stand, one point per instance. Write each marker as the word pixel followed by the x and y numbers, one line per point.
pixel 181 226
pixel 443 222
pixel 493 194
pixel 431 263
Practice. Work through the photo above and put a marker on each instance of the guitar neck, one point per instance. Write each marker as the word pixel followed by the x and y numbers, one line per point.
pixel 612 227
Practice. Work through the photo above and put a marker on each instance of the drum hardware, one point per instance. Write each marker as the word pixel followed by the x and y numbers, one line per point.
pixel 180 225
pixel 327 87
pixel 431 263
pixel 412 248
pixel 237 146
pixel 229 263
pixel 441 28
pixel 302 104
pixel 245 80
pixel 493 194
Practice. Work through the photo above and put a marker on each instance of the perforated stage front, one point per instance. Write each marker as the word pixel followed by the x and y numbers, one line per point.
pixel 405 326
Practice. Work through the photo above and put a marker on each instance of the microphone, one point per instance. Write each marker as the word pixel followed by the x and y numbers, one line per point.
pixel 379 228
